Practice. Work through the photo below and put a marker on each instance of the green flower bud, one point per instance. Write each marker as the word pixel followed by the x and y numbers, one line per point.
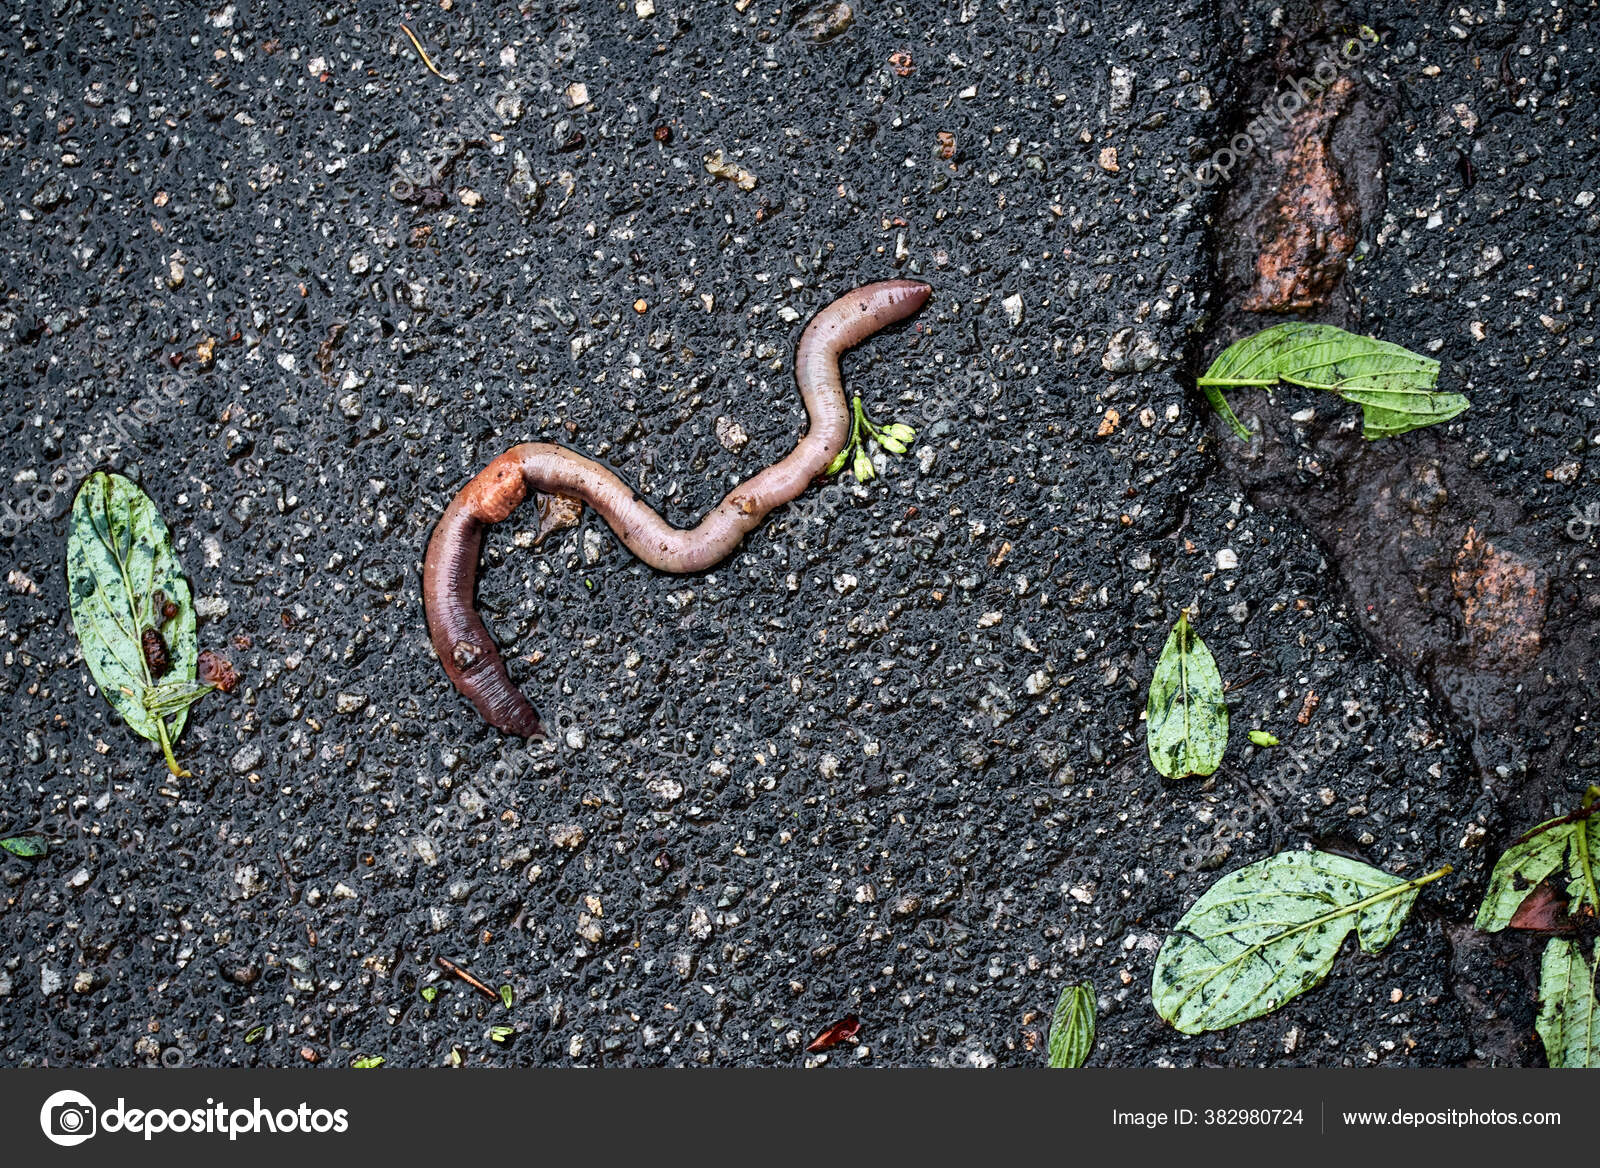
pixel 838 462
pixel 863 467
pixel 901 433
pixel 891 445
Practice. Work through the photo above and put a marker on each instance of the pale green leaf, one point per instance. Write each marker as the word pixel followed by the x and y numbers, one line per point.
pixel 1186 720
pixel 1072 1027
pixel 367 1062
pixel 1395 388
pixel 1271 931
pixel 1568 842
pixel 119 555
pixel 29 847
pixel 1569 1018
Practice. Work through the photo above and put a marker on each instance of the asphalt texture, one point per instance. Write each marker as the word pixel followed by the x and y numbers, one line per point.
pixel 888 760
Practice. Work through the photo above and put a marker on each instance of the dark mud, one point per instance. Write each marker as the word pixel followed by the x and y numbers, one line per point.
pixel 1452 578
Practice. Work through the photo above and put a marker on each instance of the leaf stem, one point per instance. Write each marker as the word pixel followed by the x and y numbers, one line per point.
pixel 1580 847
pixel 166 749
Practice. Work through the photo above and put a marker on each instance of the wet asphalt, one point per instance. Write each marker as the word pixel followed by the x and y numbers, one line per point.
pixel 888 760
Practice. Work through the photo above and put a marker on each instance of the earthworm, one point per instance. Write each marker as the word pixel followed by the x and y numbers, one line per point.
pixel 562 481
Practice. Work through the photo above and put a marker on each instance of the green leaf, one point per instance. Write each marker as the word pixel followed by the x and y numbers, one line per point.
pixel 29 847
pixel 368 1062
pixel 1262 738
pixel 1270 931
pixel 429 992
pixel 1569 841
pixel 119 555
pixel 254 1035
pixel 507 995
pixel 1569 1017
pixel 501 1033
pixel 1072 1027
pixel 1394 387
pixel 1186 720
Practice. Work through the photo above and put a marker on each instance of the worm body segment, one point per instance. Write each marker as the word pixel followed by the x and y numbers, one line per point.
pixel 562 481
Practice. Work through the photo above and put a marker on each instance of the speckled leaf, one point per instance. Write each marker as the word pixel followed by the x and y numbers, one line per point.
pixel 1541 852
pixel 1270 931
pixel 1072 1027
pixel 119 554
pixel 1569 1017
pixel 1394 387
pixel 30 847
pixel 1186 720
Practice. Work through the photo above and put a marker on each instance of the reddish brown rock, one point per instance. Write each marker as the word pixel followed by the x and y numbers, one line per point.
pixel 1502 598
pixel 1307 231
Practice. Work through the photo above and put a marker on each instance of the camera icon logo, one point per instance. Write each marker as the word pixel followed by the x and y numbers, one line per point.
pixel 68 1118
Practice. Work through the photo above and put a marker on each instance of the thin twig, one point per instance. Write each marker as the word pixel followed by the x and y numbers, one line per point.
pixel 423 53
pixel 449 966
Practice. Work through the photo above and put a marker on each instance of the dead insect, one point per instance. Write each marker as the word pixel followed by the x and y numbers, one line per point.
pixel 156 657
pixel 217 671
pixel 159 603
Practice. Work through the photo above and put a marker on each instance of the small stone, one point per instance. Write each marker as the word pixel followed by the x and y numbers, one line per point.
pixel 731 435
pixel 1121 88
pixel 566 835
pixel 342 891
pixel 350 703
pixel 469 197
pixel 49 981
pixel 1130 351
pixel 1013 306
pixel 79 880
pixel 1227 560
pixel 1036 682
pixel 844 583
pixel 822 22
pixel 360 263
pixel 1108 159
pixel 577 94
pixel 83 983
pixel 1109 423
pixel 246 757
pixel 576 739
pixel 644 9
pixel 669 791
